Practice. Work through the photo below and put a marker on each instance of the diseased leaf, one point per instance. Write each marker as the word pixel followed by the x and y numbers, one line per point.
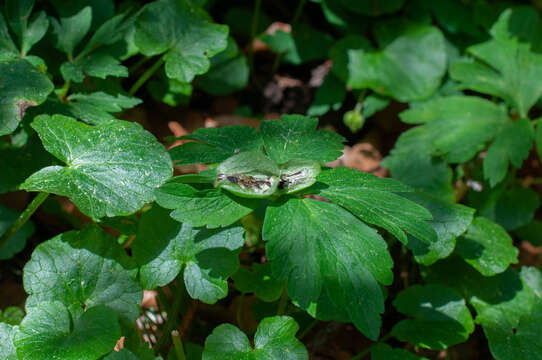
pixel 512 145
pixel 274 339
pixel 96 108
pixel 318 246
pixel 296 137
pixel 409 68
pixel 457 126
pixel 216 144
pixel 111 169
pixel 258 281
pixel 18 241
pixel 21 86
pixel 373 200
pixel 487 247
pixel 296 175
pixel 7 349
pixel 385 352
pixel 164 247
pixel 440 317
pixel 184 32
pixel 83 269
pixel 48 332
pixel 449 221
pixel 506 68
pixel 208 207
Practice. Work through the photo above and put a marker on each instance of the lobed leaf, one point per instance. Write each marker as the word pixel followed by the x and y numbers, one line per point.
pixel 111 169
pixel 258 281
pixel 7 349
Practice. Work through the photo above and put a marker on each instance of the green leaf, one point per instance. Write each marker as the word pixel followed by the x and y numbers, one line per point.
pixel 169 91
pixel 112 169
pixel 248 174
pixel 82 269
pixel 96 108
pixel 48 332
pixel 487 247
pixel 71 30
pixel 449 221
pixel 409 68
pixel 8 50
pixel 319 247
pixel 100 64
pixel 21 86
pixel 207 257
pixel 121 355
pixel 440 317
pixel 511 208
pixel 18 14
pixel 216 144
pixel 274 339
pixel 531 233
pixel 18 241
pixel 372 7
pixel 259 281
pixel 512 145
pixel 330 95
pixel 296 137
pixel 12 315
pixel 538 138
pixel 208 207
pixel 7 349
pixel 521 23
pixel 411 157
pixel 458 126
pixel 302 44
pixel 372 199
pixel 184 32
pixel 506 69
pixel 385 352
pixel 226 78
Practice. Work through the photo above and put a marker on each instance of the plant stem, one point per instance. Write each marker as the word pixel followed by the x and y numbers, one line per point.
pixel 253 30
pixel 23 218
pixel 146 75
pixel 368 349
pixel 283 301
pixel 308 329
pixel 138 64
pixel 172 316
pixel 64 90
pixel 295 18
pixel 178 345
pixel 239 310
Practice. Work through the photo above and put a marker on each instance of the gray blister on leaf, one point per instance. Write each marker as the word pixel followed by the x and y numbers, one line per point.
pixel 248 174
pixel 298 174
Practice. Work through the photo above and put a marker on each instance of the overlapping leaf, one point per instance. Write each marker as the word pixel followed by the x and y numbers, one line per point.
pixel 184 32
pixel 96 108
pixel 373 200
pixel 441 317
pixel 28 30
pixel 7 349
pixel 317 245
pixel 49 332
pixel 18 241
pixel 164 247
pixel 21 86
pixel 83 269
pixel 274 339
pixel 111 169
pixel 258 281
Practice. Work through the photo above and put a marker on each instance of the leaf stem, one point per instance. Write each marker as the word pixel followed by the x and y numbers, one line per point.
pixel 64 90
pixel 305 331
pixel 172 316
pixel 253 30
pixel 283 300
pixel 239 319
pixel 138 64
pixel 178 345
pixel 368 349
pixel 23 218
pixel 146 76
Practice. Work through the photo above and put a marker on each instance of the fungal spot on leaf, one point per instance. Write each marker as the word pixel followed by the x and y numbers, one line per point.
pixel 22 105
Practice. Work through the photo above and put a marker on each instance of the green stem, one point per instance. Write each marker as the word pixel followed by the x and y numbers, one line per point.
pixel 283 301
pixel 239 310
pixel 64 90
pixel 368 349
pixel 253 30
pixel 308 329
pixel 146 75
pixel 295 19
pixel 172 317
pixel 23 218
pixel 138 64
pixel 178 345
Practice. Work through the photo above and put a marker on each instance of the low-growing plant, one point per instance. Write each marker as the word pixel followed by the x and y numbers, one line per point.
pixel 269 226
